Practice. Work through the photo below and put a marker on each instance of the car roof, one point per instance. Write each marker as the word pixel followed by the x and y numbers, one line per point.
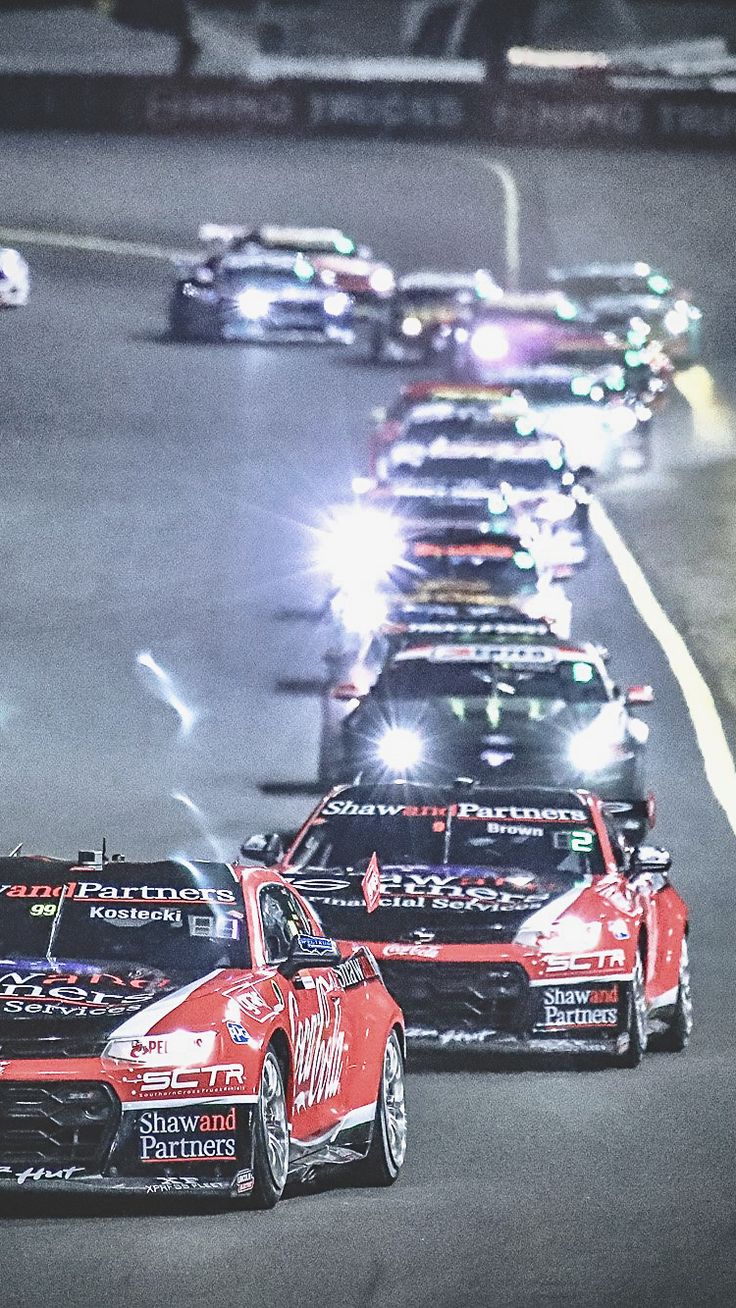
pixel 638 269
pixel 255 257
pixel 432 279
pixel 327 238
pixel 456 391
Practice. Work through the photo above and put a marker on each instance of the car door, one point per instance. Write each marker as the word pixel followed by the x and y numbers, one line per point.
pixel 318 1019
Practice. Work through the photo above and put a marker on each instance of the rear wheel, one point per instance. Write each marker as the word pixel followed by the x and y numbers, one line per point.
pixel 677 1034
pixel 637 1021
pixel 270 1136
pixel 385 1158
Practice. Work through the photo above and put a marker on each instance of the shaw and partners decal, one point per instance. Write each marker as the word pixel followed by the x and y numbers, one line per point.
pixel 576 1008
pixel 77 993
pixel 97 890
pixel 320 1047
pixel 464 811
pixel 182 1137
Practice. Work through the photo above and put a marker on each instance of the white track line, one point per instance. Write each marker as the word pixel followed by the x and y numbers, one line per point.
pixel 92 244
pixel 718 760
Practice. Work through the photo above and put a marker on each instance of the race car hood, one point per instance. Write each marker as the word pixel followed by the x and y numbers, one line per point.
pixel 81 1001
pixel 489 907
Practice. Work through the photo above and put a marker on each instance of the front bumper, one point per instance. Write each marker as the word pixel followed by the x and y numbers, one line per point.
pixel 499 1007
pixel 78 1135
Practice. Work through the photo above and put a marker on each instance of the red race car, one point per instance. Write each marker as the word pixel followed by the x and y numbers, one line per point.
pixel 504 919
pixel 186 1027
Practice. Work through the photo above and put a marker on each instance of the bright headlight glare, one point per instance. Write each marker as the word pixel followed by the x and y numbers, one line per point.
pixel 489 343
pixel 179 1049
pixel 254 303
pixel 382 281
pixel 361 613
pixel 676 321
pixel 411 326
pixel 360 547
pixel 400 748
pixel 337 304
pixel 556 508
pixel 593 750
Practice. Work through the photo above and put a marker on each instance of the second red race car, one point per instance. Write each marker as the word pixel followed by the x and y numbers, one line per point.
pixel 180 1027
pixel 509 920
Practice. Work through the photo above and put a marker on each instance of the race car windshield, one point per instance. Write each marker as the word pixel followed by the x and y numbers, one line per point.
pixel 593 286
pixel 492 873
pixel 528 692
pixel 533 475
pixel 502 578
pixel 266 277
pixel 436 295
pixel 182 919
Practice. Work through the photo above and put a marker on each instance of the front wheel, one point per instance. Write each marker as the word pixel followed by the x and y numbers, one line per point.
pixel 676 1035
pixel 637 1018
pixel 385 1158
pixel 270 1136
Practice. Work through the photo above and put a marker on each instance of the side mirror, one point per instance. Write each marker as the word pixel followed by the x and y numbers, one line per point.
pixel 650 859
pixel 263 849
pixel 639 695
pixel 345 691
pixel 308 952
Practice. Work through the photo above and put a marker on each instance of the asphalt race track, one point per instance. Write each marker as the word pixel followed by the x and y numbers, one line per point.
pixel 163 498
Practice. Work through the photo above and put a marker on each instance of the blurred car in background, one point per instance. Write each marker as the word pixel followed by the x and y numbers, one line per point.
pixel 639 302
pixel 419 318
pixel 15 279
pixel 603 426
pixel 257 295
pixel 342 262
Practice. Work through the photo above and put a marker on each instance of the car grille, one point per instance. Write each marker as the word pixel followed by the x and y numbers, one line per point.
pixel 461 996
pixel 296 317
pixel 59 1123
pixel 15 1044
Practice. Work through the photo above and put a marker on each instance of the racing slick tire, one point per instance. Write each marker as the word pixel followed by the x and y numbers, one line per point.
pixel 676 1035
pixel 270 1136
pixel 637 1018
pixel 385 1158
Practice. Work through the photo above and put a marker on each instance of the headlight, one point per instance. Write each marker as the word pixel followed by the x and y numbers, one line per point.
pixel 360 547
pixel 382 281
pixel 179 1049
pixel 556 508
pixel 489 343
pixel 411 326
pixel 400 748
pixel 254 303
pixel 337 304
pixel 676 321
pixel 572 935
pixel 593 750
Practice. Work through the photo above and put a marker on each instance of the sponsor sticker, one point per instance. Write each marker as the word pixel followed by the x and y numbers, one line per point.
pixel 169 1137
pixel 371 884
pixel 238 1033
pixel 576 1008
pixel 244 1182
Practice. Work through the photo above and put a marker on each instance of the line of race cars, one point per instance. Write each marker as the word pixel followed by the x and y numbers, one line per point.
pixel 476 876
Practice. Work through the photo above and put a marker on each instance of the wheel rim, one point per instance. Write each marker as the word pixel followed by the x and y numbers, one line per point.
pixel 394 1102
pixel 272 1103
pixel 639 1003
pixel 685 994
